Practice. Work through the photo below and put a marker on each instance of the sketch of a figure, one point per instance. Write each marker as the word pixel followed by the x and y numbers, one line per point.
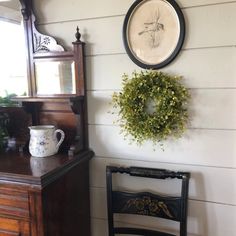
pixel 152 29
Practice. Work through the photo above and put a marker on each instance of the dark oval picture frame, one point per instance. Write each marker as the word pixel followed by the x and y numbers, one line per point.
pixel 153 32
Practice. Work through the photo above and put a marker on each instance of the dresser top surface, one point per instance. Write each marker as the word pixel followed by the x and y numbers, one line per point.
pixel 16 167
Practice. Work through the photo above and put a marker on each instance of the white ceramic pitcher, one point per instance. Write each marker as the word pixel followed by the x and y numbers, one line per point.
pixel 43 140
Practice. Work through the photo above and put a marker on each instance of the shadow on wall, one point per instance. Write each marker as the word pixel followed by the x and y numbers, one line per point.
pixel 97 101
pixel 197 212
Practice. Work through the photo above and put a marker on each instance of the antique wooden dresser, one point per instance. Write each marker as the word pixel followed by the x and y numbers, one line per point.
pixel 44 196
pixel 47 196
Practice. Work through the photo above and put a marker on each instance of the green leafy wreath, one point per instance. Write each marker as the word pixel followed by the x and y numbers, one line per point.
pixel 152 106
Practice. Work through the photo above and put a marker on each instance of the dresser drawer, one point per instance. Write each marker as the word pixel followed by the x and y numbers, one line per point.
pixel 14 203
pixel 12 227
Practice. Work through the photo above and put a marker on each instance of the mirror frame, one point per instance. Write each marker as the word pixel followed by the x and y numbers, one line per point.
pixel 37 50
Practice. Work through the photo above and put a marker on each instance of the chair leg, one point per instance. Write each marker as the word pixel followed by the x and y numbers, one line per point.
pixel 109 203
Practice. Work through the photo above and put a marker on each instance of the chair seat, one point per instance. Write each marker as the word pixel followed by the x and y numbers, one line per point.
pixel 136 231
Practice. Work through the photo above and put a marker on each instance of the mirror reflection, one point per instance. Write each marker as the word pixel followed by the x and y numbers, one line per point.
pixel 55 77
pixel 13 72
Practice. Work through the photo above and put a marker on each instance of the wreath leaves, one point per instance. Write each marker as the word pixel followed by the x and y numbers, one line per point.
pixel 169 99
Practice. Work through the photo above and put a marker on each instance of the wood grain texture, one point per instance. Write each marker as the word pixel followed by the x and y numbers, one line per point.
pixel 14 203
pixel 49 199
pixel 66 209
pixel 14 227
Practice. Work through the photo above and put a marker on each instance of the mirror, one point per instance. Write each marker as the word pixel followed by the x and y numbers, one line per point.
pixel 55 77
pixel 13 72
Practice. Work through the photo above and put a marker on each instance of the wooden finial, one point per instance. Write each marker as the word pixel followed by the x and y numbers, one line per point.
pixel 77 35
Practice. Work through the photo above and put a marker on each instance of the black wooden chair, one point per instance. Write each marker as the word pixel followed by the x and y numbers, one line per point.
pixel 146 203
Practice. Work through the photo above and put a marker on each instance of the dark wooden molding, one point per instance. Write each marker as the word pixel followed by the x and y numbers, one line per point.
pixel 149 172
pixel 25 9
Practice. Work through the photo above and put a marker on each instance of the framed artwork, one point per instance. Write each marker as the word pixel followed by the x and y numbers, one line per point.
pixel 153 32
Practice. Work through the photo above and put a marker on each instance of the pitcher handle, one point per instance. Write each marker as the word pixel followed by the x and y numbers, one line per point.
pixel 62 137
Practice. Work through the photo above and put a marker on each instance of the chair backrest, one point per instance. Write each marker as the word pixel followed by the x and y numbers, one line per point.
pixel 146 203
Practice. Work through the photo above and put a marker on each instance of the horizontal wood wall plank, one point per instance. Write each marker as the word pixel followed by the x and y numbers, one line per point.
pixel 99 227
pixel 192 3
pixel 203 217
pixel 211 219
pixel 104 35
pixel 206 183
pixel 210 30
pixel 207 108
pixel 80 9
pixel 97 34
pixel 200 68
pixel 197 147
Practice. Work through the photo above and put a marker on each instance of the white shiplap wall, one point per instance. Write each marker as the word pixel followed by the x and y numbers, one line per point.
pixel 208 65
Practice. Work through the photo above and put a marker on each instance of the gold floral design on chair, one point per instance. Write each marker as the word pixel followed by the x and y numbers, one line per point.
pixel 148 206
